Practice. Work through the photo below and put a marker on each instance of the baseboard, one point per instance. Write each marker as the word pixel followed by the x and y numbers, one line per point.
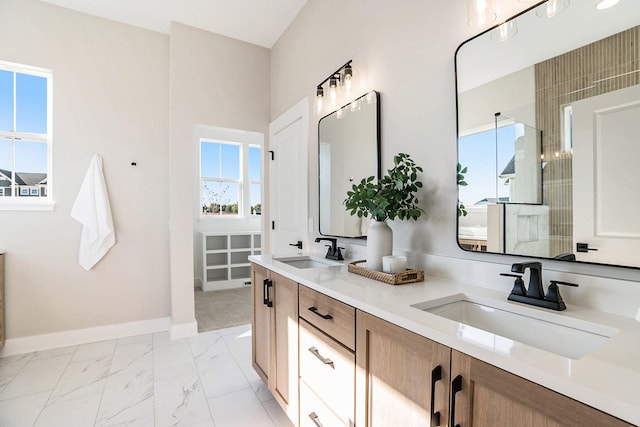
pixel 183 330
pixel 227 284
pixel 82 336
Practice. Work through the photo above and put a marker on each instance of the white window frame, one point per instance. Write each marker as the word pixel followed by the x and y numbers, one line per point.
pixel 30 203
pixel 254 181
pixel 244 139
pixel 223 179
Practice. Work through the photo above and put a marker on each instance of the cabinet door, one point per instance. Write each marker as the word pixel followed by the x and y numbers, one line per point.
pixel 489 396
pixel 284 382
pixel 397 375
pixel 261 323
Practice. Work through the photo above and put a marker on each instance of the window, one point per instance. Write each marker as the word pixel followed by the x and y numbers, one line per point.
pixel 487 155
pixel 25 136
pixel 229 185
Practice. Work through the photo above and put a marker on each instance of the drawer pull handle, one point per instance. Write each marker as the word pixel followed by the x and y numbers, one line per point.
pixel 316 420
pixel 324 360
pixel 314 310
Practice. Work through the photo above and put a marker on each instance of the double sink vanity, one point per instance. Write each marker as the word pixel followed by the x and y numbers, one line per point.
pixel 341 349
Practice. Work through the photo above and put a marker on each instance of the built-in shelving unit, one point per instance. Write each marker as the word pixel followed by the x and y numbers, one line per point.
pixel 225 259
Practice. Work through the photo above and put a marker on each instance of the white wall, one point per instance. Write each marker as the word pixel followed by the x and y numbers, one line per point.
pixel 405 50
pixel 110 97
pixel 215 81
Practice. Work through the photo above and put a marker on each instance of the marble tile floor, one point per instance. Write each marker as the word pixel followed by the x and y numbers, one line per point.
pixel 146 381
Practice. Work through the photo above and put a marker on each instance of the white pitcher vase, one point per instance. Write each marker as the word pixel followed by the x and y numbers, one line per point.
pixel 379 244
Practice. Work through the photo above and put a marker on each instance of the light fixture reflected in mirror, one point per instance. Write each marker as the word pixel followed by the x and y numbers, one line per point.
pixel 481 13
pixel 339 89
pixel 552 8
pixel 606 4
pixel 504 31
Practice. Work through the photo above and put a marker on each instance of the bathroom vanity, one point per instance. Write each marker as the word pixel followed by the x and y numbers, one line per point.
pixel 340 349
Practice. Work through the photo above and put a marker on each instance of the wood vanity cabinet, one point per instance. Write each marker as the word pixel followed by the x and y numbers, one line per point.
pixel 402 378
pixel 485 396
pixel 275 335
pixel 328 364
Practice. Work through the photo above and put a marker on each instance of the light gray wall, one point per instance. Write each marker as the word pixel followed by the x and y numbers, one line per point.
pixel 215 81
pixel 129 95
pixel 405 51
pixel 110 97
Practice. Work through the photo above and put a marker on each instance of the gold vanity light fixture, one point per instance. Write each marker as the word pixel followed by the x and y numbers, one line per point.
pixel 481 13
pixel 339 85
pixel 552 8
pixel 606 4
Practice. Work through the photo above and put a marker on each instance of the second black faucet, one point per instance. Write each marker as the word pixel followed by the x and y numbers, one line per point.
pixel 334 251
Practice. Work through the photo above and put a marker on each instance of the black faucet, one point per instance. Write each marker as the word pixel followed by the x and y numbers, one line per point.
pixel 534 290
pixel 334 251
pixel 534 293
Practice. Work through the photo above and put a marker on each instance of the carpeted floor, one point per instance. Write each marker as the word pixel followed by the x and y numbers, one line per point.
pixel 223 309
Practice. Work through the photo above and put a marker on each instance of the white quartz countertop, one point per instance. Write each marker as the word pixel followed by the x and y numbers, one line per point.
pixel 607 378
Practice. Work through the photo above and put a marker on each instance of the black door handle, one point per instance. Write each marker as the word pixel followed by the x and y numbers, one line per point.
pixel 456 386
pixel 436 375
pixel 297 245
pixel 584 247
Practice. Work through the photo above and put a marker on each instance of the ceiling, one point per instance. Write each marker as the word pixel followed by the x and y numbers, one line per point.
pixel 259 22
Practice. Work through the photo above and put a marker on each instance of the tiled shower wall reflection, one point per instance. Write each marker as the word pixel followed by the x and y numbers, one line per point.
pixel 604 66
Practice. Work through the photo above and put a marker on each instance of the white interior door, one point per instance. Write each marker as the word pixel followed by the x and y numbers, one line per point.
pixel 288 172
pixel 606 202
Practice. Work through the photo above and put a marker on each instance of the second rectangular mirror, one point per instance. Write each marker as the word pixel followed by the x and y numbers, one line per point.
pixel 348 151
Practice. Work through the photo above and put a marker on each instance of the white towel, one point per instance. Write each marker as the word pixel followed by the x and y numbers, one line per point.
pixel 93 211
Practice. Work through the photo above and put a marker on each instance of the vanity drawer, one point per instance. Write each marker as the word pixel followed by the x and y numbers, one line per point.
pixel 329 370
pixel 314 413
pixel 331 316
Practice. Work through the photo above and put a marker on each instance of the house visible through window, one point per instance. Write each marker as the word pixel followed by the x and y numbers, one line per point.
pixel 229 179
pixel 25 135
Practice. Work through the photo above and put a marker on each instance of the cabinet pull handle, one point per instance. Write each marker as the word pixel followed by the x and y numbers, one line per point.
pixel 436 375
pixel 456 386
pixel 316 420
pixel 264 292
pixel 267 299
pixel 324 360
pixel 314 310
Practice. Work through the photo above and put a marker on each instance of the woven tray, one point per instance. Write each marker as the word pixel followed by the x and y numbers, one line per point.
pixel 407 276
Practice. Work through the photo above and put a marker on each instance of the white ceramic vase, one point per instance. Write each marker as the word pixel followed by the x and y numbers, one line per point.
pixel 379 244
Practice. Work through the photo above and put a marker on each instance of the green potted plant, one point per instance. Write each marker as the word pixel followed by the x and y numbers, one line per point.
pixel 391 197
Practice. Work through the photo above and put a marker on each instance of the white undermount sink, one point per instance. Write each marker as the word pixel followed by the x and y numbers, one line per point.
pixel 306 261
pixel 498 327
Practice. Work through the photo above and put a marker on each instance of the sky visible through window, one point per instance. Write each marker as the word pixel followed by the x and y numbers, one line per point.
pixel 222 160
pixel 30 116
pixel 478 153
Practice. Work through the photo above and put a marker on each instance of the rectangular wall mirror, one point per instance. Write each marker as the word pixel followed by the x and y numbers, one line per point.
pixel 548 117
pixel 348 151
